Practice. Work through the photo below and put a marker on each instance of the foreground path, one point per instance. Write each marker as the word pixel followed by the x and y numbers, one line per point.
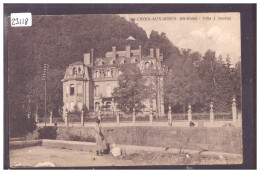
pixel 30 156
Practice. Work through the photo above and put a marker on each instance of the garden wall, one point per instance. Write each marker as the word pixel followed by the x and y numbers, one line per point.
pixel 220 139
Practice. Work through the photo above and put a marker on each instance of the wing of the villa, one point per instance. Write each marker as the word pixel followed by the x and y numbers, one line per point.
pixel 90 83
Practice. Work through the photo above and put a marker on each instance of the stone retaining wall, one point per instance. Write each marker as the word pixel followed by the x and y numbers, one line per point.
pixel 219 139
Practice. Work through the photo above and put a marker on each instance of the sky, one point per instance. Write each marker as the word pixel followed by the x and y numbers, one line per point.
pixel 221 35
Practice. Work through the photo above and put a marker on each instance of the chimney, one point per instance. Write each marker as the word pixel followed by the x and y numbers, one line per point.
pixel 157 53
pixel 92 56
pixel 140 51
pixel 114 51
pixel 151 52
pixel 87 58
pixel 128 51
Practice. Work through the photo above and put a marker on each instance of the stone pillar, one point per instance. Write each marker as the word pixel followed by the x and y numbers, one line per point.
pixel 82 118
pixel 36 114
pixel 117 117
pixel 134 115
pixel 50 117
pixel 36 117
pixel 189 113
pixel 234 110
pixel 211 114
pixel 151 115
pixel 66 119
pixel 170 115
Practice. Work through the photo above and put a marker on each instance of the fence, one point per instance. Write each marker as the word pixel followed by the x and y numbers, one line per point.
pixel 145 117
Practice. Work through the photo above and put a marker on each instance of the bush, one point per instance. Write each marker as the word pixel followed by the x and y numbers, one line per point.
pixel 20 125
pixel 47 132
pixel 73 137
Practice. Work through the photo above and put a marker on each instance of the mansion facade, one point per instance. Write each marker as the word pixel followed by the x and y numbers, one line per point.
pixel 91 83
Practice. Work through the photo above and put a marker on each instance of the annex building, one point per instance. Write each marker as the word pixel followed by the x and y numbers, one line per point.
pixel 90 83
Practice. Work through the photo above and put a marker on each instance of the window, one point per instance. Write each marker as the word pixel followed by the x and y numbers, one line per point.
pixel 74 71
pixel 152 65
pixel 108 90
pixel 97 106
pixel 79 70
pixel 71 106
pixel 108 73
pixel 147 65
pixel 97 74
pixel 96 90
pixel 103 74
pixel 72 89
pixel 112 73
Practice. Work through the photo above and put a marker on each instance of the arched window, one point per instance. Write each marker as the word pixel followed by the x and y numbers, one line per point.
pixel 97 106
pixel 147 65
pixel 96 90
pixel 97 74
pixel 79 70
pixel 152 65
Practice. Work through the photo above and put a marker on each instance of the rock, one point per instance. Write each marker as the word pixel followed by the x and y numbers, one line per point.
pixel 44 164
pixel 116 151
pixel 221 156
pixel 18 164
pixel 187 155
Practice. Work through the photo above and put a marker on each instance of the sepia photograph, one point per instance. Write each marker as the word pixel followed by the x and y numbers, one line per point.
pixel 122 90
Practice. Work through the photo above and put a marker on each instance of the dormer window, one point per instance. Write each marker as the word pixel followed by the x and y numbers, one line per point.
pixel 122 61
pixel 112 62
pixel 74 70
pixel 133 60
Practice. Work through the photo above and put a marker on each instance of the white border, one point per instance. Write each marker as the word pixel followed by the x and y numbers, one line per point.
pixel 113 1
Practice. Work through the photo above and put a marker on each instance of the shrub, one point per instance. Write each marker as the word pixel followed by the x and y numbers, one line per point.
pixel 21 125
pixel 47 132
pixel 73 137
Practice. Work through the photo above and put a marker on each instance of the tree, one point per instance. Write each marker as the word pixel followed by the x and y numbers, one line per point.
pixel 216 82
pixel 237 84
pixel 131 90
pixel 161 41
pixel 182 83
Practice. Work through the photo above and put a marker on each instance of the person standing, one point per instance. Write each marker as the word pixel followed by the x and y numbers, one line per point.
pixel 99 139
